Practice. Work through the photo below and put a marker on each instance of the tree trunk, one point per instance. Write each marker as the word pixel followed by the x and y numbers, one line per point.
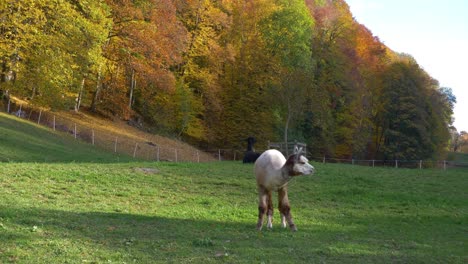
pixel 286 127
pixel 97 92
pixel 132 88
pixel 33 92
pixel 80 95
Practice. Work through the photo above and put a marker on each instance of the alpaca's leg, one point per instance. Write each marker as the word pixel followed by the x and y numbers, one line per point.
pixel 262 206
pixel 284 207
pixel 270 211
pixel 283 220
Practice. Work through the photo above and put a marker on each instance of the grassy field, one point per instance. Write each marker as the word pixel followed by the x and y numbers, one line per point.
pixel 127 213
pixel 64 204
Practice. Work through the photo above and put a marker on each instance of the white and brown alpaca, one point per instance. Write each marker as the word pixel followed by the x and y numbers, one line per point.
pixel 273 172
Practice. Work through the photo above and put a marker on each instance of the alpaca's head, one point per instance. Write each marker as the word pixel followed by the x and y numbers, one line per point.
pixel 250 142
pixel 297 164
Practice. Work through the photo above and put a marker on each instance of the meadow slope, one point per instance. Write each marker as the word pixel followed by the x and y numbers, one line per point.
pixel 24 141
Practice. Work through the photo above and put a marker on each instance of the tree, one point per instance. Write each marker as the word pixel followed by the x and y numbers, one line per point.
pixel 334 74
pixel 198 75
pixel 407 112
pixel 145 42
pixel 287 33
pixel 246 104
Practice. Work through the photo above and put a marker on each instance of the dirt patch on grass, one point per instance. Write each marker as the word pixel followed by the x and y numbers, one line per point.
pixel 147 170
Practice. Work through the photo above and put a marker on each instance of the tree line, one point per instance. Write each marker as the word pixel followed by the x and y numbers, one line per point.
pixel 215 72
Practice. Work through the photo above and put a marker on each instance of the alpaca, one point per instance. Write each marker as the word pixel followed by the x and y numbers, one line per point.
pixel 250 155
pixel 273 172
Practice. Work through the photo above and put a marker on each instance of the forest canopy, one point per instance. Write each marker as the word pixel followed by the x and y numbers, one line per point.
pixel 215 72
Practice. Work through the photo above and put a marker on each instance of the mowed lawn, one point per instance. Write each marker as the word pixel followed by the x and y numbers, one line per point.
pixel 206 213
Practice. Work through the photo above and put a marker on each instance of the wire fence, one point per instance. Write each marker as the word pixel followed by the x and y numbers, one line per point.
pixel 148 150
pixel 413 164
pixel 136 147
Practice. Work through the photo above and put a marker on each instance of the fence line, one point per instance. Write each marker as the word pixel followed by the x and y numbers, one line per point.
pixel 418 164
pixel 142 149
pixel 151 151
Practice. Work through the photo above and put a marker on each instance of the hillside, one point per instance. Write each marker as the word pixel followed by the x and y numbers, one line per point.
pixel 217 72
pixel 128 135
pixel 23 140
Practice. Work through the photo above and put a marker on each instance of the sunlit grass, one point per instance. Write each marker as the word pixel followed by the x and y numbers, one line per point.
pixel 24 141
pixel 206 213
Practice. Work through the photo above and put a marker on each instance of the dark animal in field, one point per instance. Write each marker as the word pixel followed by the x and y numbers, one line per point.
pixel 250 156
pixel 273 172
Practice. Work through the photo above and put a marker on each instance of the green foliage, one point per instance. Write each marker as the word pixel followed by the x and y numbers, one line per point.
pixel 288 33
pixel 411 127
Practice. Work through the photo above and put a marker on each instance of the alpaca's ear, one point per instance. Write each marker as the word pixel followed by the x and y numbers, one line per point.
pixel 297 151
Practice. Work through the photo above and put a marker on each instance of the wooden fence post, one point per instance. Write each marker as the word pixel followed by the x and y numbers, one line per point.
pixel 176 158
pixel 323 159
pixel 8 107
pixel 396 164
pixel 198 156
pixel 115 145
pixel 373 163
pixel 134 151
pixel 74 131
pixel 420 164
pixel 219 155
pixel 54 123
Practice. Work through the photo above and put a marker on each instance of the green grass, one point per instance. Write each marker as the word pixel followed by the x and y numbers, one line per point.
pixel 21 141
pixel 67 202
pixel 206 213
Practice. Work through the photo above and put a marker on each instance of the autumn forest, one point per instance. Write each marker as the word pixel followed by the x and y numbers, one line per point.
pixel 215 72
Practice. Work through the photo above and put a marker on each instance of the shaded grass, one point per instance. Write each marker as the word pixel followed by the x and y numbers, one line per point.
pixel 206 213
